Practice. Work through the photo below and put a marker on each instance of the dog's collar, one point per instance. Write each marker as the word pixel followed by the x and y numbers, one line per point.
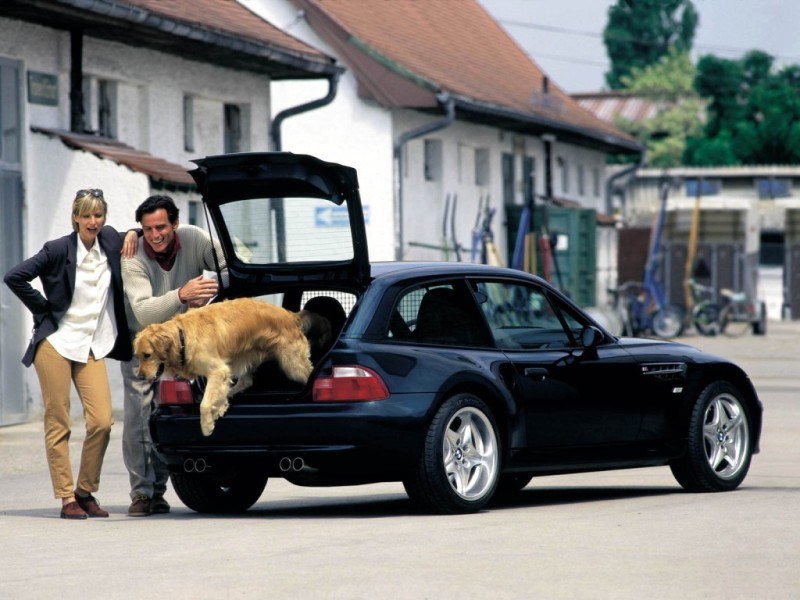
pixel 183 345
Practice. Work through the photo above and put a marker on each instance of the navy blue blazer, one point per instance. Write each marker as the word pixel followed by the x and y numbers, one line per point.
pixel 55 267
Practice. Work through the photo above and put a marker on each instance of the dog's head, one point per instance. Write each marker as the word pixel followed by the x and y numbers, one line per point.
pixel 155 348
pixel 316 328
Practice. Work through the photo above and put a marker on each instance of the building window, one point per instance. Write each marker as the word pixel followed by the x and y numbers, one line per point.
pixel 596 182
pixel 188 123
pixel 237 128
pixel 703 187
pixel 9 113
pixel 508 178
pixel 772 249
pixel 433 160
pixel 563 171
pixel 528 178
pixel 107 108
pixel 194 212
pixel 770 188
pixel 581 181
pixel 100 107
pixel 233 128
pixel 482 166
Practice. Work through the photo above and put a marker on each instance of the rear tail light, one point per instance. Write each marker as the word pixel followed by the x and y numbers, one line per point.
pixel 350 384
pixel 172 392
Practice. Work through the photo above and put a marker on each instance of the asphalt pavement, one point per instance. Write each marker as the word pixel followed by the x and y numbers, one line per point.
pixel 619 534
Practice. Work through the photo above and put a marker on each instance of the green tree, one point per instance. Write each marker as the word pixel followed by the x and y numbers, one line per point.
pixel 668 84
pixel 640 32
pixel 753 112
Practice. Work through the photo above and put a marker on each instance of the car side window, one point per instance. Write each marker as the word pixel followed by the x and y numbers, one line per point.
pixel 522 317
pixel 439 314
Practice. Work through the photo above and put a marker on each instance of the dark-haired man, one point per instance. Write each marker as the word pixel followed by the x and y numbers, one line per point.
pixel 163 279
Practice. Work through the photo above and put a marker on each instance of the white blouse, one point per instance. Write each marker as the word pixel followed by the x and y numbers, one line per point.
pixel 89 323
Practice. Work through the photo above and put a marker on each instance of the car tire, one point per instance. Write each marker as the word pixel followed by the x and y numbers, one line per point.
pixel 718 442
pixel 459 468
pixel 206 494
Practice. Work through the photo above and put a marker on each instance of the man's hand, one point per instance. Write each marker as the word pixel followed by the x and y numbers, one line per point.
pixel 196 292
pixel 130 244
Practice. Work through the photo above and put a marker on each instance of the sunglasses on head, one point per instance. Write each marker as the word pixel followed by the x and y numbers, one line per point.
pixel 96 193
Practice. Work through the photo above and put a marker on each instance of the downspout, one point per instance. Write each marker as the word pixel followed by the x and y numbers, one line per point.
pixel 611 183
pixel 76 122
pixel 275 127
pixel 449 105
pixel 276 204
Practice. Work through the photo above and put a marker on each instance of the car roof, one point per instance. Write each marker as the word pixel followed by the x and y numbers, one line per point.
pixel 402 270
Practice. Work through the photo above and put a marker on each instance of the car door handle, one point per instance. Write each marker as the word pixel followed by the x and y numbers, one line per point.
pixel 536 373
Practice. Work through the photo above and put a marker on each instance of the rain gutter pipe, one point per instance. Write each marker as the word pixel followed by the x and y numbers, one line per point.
pixel 611 183
pixel 275 133
pixel 446 101
pixel 275 128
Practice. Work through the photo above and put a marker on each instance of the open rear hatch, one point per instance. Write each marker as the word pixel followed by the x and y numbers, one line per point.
pixel 283 219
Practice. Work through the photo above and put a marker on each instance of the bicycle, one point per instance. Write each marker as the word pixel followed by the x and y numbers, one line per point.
pixel 642 311
pixel 736 315
pixel 739 314
pixel 705 312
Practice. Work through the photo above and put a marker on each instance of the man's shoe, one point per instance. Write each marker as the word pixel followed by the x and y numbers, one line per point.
pixel 90 506
pixel 140 507
pixel 159 506
pixel 72 511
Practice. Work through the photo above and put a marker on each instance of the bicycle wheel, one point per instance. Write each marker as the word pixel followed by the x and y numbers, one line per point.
pixel 734 320
pixel 668 322
pixel 706 319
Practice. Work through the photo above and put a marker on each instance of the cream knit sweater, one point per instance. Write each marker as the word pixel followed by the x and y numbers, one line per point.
pixel 151 293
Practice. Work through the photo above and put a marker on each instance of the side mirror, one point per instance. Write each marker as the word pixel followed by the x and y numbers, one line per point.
pixel 590 337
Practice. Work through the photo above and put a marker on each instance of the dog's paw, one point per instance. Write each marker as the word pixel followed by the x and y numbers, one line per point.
pixel 207 425
pixel 223 409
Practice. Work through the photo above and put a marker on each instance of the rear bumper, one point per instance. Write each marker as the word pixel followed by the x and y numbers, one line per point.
pixel 372 439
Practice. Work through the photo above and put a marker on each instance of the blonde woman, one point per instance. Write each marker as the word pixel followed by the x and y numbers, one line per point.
pixel 78 322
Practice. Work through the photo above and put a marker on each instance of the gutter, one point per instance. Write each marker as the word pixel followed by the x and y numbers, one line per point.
pixel 548 124
pixel 276 204
pixel 139 16
pixel 612 181
pixel 275 127
pixel 448 103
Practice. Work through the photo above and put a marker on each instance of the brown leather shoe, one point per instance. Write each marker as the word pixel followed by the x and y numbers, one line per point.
pixel 72 511
pixel 159 506
pixel 140 507
pixel 90 506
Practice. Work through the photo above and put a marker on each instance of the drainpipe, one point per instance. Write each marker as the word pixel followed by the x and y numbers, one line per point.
pixel 276 204
pixel 448 103
pixel 76 124
pixel 610 184
pixel 275 128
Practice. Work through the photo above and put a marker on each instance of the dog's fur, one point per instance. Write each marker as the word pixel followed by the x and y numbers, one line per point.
pixel 229 340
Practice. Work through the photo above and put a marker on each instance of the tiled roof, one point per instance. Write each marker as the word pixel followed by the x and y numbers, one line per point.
pixel 611 105
pixel 217 31
pixel 157 169
pixel 227 16
pixel 452 46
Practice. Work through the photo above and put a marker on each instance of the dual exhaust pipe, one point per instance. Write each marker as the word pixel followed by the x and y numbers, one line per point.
pixel 191 465
pixel 286 464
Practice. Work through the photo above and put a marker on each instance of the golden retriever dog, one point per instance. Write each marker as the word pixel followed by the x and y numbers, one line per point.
pixel 229 340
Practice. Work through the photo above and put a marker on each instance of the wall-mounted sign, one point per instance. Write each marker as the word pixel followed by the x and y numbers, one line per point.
pixel 42 88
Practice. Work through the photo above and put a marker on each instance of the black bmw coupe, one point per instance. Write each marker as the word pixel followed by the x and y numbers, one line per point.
pixel 463 381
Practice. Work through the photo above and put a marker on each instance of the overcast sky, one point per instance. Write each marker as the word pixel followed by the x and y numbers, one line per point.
pixel 564 37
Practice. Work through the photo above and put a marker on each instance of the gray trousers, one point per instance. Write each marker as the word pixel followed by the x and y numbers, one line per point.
pixel 148 475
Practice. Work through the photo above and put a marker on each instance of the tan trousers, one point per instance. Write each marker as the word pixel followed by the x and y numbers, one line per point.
pixel 56 373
